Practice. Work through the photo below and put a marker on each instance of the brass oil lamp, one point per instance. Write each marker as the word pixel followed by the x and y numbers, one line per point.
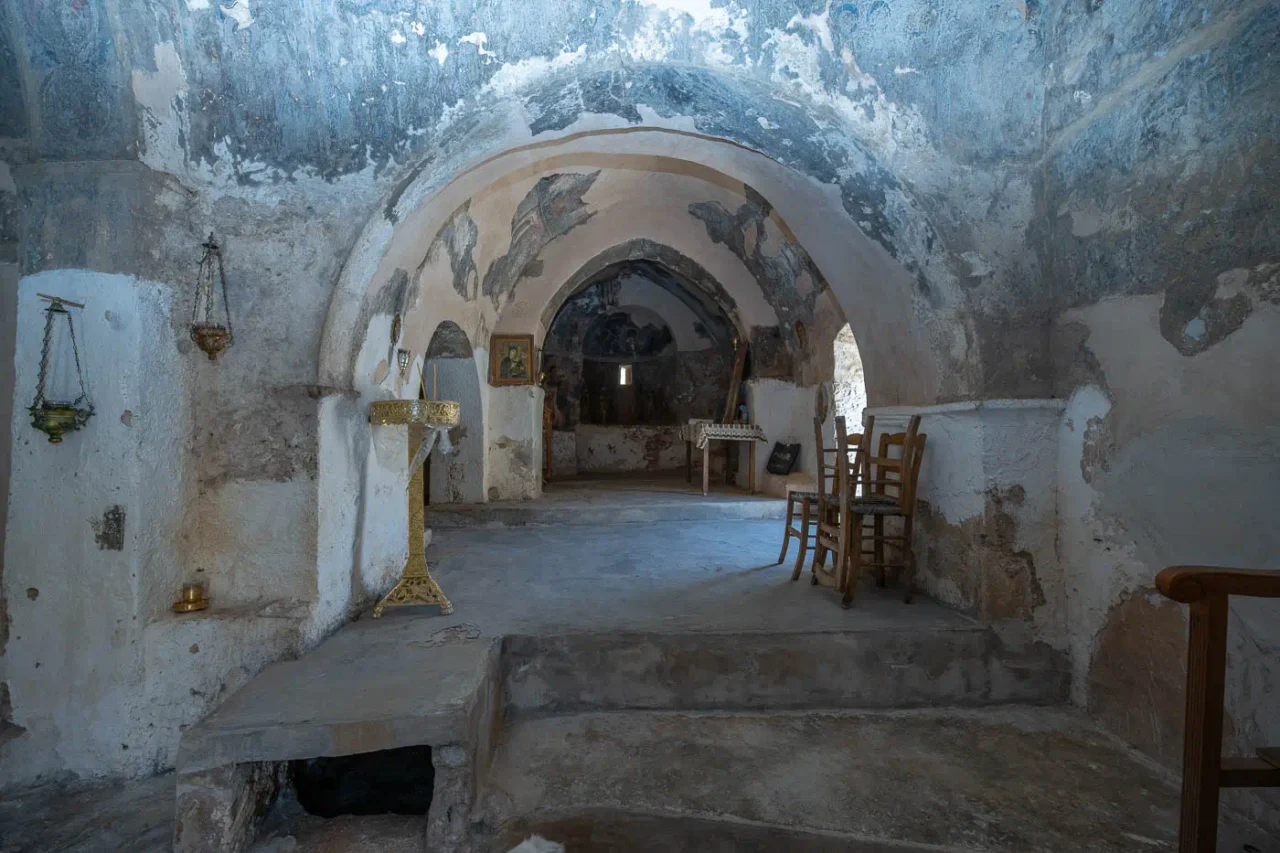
pixel 211 325
pixel 56 418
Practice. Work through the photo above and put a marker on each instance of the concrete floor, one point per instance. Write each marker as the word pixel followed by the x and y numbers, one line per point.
pixel 1009 779
pixel 699 576
pixel 90 818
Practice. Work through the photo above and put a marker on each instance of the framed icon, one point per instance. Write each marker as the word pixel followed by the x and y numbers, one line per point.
pixel 511 360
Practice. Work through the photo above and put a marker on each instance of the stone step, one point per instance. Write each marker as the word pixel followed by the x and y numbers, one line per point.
pixel 999 780
pixel 502 514
pixel 746 670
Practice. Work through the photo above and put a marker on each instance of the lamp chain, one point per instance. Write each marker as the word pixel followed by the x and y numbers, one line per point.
pixel 226 308
pixel 44 355
pixel 75 351
pixel 56 308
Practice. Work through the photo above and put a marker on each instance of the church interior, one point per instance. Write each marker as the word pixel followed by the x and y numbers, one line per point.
pixel 564 426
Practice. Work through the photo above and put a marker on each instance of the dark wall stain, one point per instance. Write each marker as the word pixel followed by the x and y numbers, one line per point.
pixel 449 341
pixel 616 335
pixel 787 276
pixel 458 237
pixel 393 297
pixel 271 435
pixel 108 531
pixel 13 110
pixel 8 728
pixel 553 208
pixel 1137 675
pixel 980 556
pixel 1193 318
pixel 769 356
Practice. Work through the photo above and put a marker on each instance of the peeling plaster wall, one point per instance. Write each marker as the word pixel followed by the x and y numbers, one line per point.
pixel 514 460
pixel 1163 242
pixel 618 449
pixel 987 518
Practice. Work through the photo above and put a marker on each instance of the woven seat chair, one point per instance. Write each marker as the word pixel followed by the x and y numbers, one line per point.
pixel 832 537
pixel 889 491
pixel 806 502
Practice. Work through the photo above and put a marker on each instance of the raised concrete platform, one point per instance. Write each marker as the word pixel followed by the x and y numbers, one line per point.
pixel 612 499
pixel 689 616
pixel 667 616
pixel 997 780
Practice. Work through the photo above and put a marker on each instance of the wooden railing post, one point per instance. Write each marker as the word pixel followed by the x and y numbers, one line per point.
pixel 1204 771
pixel 1202 740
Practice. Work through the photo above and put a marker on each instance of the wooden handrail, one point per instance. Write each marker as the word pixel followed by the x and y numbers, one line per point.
pixel 1196 583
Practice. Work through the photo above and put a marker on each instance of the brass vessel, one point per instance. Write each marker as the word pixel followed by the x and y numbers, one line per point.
pixel 212 339
pixel 58 419
pixel 436 412
pixel 192 598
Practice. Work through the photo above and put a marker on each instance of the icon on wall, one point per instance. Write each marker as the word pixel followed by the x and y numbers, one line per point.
pixel 511 360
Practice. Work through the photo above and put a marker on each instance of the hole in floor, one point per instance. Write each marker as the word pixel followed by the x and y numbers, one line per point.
pixel 392 781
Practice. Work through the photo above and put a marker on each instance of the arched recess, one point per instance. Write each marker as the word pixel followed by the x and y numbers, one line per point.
pixel 686 279
pixel 451 372
pixel 680 358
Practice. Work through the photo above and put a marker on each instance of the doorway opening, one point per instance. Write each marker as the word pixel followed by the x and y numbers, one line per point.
pixel 849 382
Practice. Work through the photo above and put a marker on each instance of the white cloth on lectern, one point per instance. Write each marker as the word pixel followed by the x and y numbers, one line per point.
pixel 431 435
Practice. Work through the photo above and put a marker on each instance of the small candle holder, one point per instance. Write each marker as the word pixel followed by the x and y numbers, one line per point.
pixel 192 599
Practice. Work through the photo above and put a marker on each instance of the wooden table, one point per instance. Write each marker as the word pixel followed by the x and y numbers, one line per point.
pixel 703 434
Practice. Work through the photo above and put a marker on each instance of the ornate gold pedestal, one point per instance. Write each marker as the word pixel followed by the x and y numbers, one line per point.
pixel 416 586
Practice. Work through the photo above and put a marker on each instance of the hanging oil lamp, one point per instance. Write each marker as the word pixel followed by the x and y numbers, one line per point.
pixel 208 333
pixel 52 417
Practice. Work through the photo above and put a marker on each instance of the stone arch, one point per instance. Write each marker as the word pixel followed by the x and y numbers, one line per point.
pixel 867 233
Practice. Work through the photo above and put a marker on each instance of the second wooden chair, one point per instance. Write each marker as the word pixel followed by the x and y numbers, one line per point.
pixel 808 501
pixel 889 492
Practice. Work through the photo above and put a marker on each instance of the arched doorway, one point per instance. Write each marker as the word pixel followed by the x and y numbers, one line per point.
pixel 450 372
pixel 849 382
pixel 629 356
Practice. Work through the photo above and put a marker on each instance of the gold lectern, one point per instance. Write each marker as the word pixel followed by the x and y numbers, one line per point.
pixel 416 586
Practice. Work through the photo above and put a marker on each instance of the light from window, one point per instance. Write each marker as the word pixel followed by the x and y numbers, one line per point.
pixel 624 374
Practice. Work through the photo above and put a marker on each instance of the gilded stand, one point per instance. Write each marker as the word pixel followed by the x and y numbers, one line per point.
pixel 416 586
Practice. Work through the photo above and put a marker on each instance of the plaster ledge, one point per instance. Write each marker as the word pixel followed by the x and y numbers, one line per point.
pixel 1034 403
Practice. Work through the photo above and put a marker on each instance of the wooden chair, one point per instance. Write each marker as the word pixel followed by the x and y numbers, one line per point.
pixel 1204 770
pixel 808 501
pixel 832 535
pixel 889 491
